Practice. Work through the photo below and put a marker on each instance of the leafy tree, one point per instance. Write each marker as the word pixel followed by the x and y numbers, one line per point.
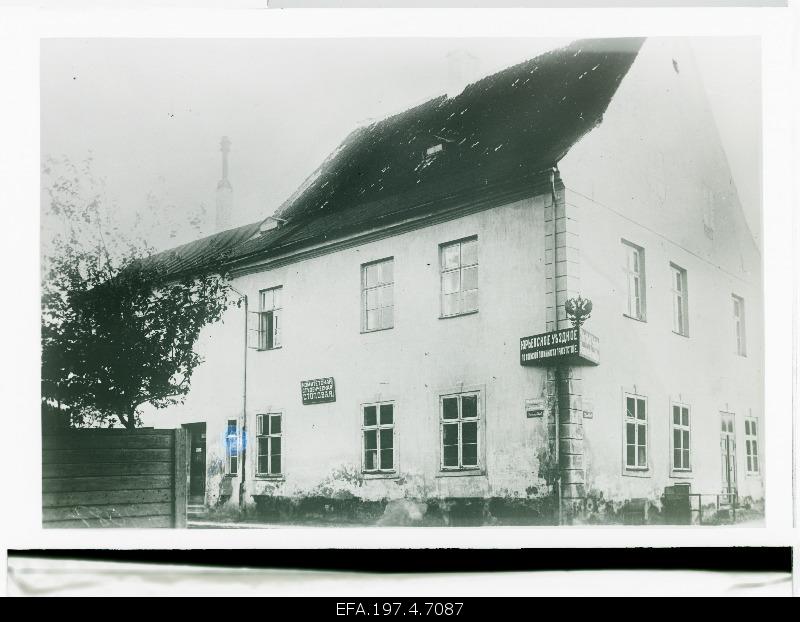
pixel 118 330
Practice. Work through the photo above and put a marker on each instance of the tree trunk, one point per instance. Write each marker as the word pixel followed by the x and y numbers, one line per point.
pixel 128 422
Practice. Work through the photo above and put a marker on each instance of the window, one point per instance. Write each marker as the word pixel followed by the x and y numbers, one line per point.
pixel 269 444
pixel 751 443
pixel 269 319
pixel 738 319
pixel 680 438
pixel 377 431
pixel 459 277
pixel 459 418
pixel 680 301
pixel 635 432
pixel 377 295
pixel 634 271
pixel 232 446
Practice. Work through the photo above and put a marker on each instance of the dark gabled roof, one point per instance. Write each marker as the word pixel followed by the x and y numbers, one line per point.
pixel 502 128
pixel 205 253
pixel 497 136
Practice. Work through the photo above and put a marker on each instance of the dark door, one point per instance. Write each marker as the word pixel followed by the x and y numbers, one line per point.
pixel 197 462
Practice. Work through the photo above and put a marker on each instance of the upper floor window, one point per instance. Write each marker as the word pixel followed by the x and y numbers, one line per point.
pixel 680 301
pixel 635 432
pixel 377 431
pixel 268 440
pixel 377 295
pixel 459 277
pixel 232 446
pixel 751 443
pixel 269 320
pixel 739 324
pixel 634 272
pixel 680 438
pixel 460 416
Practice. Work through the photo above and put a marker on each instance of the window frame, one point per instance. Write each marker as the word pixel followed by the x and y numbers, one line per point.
pixel 263 337
pixel 365 289
pixel 641 276
pixel 235 446
pixel 680 299
pixel 740 324
pixel 379 472
pixel 269 435
pixel 682 470
pixel 636 469
pixel 751 436
pixel 479 420
pixel 460 269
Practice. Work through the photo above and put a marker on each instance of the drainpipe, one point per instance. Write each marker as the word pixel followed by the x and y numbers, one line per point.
pixel 243 453
pixel 558 369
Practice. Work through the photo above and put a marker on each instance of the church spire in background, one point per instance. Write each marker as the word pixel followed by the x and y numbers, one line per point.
pixel 224 189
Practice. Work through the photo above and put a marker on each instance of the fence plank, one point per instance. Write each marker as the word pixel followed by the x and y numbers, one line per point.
pixel 103 497
pixel 135 522
pixel 108 441
pixel 91 512
pixel 120 482
pixel 71 456
pixel 106 469
pixel 181 460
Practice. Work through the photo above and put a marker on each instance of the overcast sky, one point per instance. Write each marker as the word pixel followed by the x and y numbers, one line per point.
pixel 152 111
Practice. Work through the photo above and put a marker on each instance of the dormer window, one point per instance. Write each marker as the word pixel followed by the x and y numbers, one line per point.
pixel 270 223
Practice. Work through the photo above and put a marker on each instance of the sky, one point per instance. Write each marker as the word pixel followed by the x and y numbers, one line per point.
pixel 152 111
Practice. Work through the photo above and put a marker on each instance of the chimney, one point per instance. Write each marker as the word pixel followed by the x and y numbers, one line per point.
pixel 463 68
pixel 224 190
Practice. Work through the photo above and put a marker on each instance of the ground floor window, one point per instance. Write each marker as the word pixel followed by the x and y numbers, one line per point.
pixel 232 446
pixel 459 421
pixel 269 444
pixel 680 438
pixel 377 431
pixel 751 443
pixel 635 432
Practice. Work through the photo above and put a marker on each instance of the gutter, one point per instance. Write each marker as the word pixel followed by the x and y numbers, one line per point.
pixel 243 444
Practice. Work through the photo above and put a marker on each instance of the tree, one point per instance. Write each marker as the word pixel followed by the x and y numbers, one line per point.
pixel 118 330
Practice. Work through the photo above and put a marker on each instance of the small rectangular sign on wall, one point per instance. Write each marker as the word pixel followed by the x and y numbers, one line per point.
pixel 534 407
pixel 318 391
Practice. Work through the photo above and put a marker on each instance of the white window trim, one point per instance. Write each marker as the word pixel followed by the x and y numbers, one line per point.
pixel 683 296
pixel 635 471
pixel 236 444
pixel 461 312
pixel 680 472
pixel 752 437
pixel 258 436
pixel 480 469
pixel 642 276
pixel 379 473
pixel 363 287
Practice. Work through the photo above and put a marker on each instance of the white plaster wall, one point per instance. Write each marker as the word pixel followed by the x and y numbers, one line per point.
pixel 640 176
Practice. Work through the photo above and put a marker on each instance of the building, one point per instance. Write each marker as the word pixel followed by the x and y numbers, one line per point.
pixel 378 356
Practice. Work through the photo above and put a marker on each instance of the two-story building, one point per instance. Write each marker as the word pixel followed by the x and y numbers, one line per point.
pixel 378 356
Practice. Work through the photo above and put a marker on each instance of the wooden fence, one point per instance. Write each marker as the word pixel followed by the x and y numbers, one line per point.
pixel 114 478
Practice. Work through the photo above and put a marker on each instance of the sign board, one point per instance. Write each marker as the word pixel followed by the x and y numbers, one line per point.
pixel 572 346
pixel 318 391
pixel 534 407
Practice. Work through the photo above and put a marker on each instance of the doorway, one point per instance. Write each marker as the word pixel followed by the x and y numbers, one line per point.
pixel 727 445
pixel 197 463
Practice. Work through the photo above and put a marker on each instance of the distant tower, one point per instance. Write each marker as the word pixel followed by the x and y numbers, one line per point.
pixel 224 189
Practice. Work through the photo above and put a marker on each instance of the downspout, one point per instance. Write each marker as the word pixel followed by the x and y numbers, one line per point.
pixel 243 454
pixel 557 410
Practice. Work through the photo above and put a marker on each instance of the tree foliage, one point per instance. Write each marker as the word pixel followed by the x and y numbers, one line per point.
pixel 118 330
